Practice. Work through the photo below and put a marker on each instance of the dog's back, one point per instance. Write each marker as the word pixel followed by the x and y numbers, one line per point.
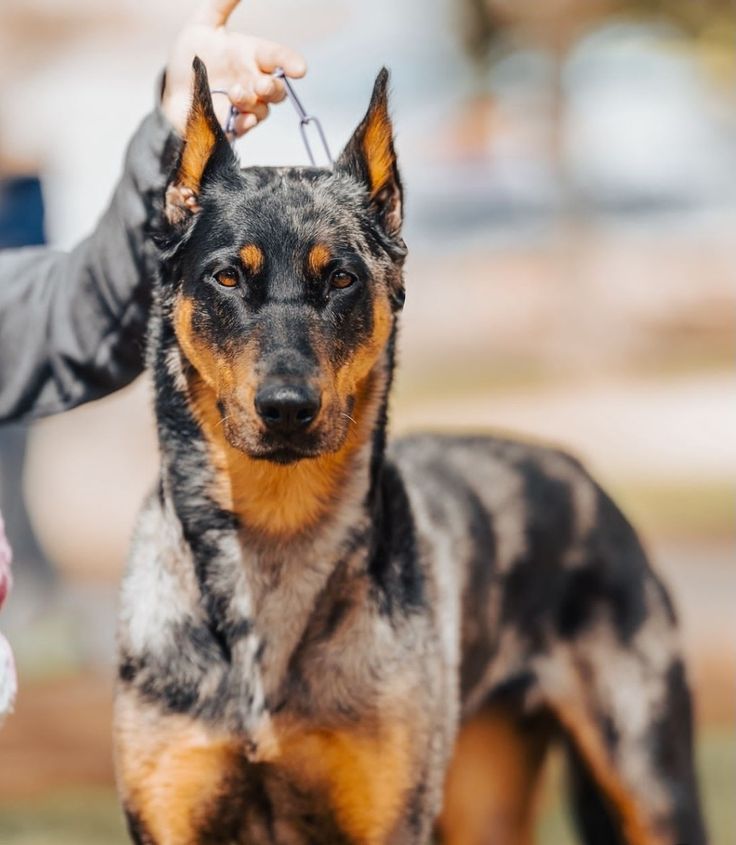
pixel 540 553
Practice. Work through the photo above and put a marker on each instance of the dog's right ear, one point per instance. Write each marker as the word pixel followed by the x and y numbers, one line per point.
pixel 205 150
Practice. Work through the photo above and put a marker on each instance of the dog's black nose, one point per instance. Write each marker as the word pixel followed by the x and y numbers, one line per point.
pixel 287 407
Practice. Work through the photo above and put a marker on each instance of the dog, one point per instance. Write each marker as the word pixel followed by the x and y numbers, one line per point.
pixel 325 639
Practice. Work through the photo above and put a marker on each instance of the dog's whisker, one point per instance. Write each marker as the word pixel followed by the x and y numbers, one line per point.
pixel 347 416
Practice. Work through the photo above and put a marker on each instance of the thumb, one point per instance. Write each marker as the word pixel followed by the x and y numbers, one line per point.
pixel 214 12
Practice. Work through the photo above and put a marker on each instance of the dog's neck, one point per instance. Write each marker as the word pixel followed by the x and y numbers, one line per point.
pixel 258 587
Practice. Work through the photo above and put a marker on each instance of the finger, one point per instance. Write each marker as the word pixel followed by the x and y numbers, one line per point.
pixel 270 55
pixel 215 12
pixel 278 95
pixel 243 96
pixel 222 109
pixel 260 110
pixel 269 89
pixel 243 123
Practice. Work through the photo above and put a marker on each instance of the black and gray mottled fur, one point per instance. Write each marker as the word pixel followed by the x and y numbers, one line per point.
pixel 449 573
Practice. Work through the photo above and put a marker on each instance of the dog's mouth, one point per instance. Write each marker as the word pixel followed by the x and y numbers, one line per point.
pixel 248 437
pixel 285 455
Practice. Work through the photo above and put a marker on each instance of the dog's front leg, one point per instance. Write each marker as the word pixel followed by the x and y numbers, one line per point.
pixel 172 774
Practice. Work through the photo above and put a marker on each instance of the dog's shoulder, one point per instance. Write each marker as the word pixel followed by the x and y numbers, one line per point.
pixel 159 590
pixel 506 475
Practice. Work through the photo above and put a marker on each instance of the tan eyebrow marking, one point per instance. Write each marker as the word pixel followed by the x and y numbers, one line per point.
pixel 252 258
pixel 318 259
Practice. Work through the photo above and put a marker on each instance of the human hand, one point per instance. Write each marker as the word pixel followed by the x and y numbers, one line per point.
pixel 239 64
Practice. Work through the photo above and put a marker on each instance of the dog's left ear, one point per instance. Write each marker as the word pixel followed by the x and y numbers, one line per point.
pixel 205 151
pixel 370 157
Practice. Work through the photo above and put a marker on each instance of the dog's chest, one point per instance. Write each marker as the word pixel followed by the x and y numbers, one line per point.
pixel 334 738
pixel 340 784
pixel 361 772
pixel 336 726
pixel 322 650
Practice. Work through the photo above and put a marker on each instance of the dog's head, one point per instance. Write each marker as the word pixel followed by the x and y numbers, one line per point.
pixel 285 282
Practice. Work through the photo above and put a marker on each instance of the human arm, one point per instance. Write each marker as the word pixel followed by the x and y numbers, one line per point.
pixel 72 324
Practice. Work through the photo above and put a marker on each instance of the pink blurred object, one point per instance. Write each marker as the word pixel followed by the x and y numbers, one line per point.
pixel 8 683
pixel 6 576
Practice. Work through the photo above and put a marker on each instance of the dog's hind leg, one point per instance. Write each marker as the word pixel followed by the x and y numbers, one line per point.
pixel 626 712
pixel 491 785
pixel 630 786
pixel 594 816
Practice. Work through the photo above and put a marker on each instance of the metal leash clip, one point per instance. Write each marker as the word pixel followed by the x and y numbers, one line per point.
pixel 305 119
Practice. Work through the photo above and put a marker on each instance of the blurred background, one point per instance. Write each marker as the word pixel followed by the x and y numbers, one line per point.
pixel 570 170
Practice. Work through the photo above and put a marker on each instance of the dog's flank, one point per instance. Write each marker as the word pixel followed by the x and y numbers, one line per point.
pixel 315 630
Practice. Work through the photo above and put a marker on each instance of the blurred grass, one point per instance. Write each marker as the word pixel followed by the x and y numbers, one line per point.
pixel 717 765
pixel 717 770
pixel 92 816
pixel 456 377
pixel 681 509
pixel 67 817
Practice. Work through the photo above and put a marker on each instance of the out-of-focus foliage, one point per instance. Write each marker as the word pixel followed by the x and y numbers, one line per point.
pixel 487 25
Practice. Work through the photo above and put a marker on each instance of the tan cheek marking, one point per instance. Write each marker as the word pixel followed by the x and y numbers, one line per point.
pixel 357 368
pixel 252 258
pixel 366 776
pixel 222 374
pixel 204 359
pixel 638 830
pixel 491 783
pixel 318 259
pixel 170 770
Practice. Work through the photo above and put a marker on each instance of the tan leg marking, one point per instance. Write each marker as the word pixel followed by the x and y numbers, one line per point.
pixel 170 771
pixel 589 743
pixel 491 785
pixel 366 775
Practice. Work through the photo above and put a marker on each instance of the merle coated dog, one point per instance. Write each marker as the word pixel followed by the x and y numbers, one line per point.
pixel 327 640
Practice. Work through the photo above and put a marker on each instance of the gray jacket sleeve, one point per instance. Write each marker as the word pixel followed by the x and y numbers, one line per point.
pixel 72 325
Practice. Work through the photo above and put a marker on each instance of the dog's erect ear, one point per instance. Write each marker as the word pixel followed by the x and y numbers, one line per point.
pixel 205 149
pixel 369 156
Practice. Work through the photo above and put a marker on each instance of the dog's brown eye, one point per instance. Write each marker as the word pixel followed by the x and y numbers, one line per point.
pixel 341 279
pixel 226 278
